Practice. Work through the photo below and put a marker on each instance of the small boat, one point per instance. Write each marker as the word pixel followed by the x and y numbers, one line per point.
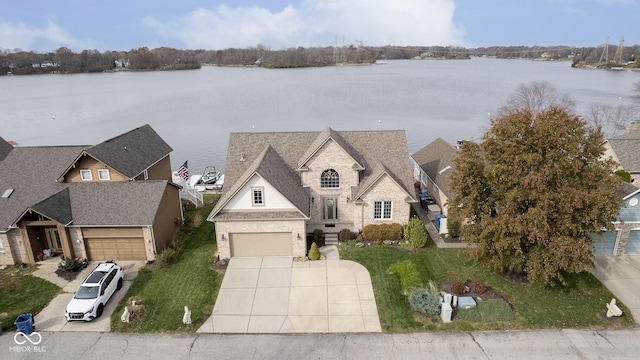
pixel 211 176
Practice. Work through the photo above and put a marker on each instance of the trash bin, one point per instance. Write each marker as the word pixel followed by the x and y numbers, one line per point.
pixel 438 217
pixel 24 323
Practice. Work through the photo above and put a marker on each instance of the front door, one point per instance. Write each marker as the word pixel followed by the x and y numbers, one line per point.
pixel 53 240
pixel 330 209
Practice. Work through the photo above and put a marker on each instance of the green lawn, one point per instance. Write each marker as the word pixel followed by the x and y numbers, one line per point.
pixel 21 293
pixel 189 281
pixel 578 305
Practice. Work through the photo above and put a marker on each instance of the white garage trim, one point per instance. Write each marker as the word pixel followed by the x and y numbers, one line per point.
pixel 261 244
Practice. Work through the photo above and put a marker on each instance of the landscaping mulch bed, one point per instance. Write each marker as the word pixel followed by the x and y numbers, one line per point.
pixel 474 291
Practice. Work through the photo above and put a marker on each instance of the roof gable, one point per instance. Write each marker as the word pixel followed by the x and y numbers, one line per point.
pixel 323 137
pixel 56 207
pixel 272 168
pixel 436 160
pixel 379 171
pixel 132 152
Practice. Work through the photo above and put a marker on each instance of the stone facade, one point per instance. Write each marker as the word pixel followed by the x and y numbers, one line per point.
pixel 331 156
pixel 77 241
pixel 385 190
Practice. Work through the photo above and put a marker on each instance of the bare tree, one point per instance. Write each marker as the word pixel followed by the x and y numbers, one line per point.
pixel 537 97
pixel 612 119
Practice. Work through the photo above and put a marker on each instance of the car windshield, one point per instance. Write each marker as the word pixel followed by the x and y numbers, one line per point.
pixel 87 292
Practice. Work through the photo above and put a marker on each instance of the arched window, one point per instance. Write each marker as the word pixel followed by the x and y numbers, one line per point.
pixel 330 179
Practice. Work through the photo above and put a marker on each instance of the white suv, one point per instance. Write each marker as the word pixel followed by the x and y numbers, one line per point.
pixel 89 300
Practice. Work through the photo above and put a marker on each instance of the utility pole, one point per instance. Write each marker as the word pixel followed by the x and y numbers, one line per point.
pixel 617 58
pixel 605 53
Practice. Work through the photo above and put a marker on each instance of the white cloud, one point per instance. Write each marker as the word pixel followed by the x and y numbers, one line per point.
pixel 21 36
pixel 314 23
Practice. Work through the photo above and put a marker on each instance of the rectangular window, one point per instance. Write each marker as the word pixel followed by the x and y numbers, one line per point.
pixel 146 174
pixel 103 174
pixel 382 210
pixel 86 175
pixel 1 246
pixel 258 196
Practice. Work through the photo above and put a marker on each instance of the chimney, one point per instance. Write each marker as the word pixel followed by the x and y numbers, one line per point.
pixel 632 127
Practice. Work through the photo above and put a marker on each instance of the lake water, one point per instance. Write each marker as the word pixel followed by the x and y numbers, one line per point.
pixel 194 111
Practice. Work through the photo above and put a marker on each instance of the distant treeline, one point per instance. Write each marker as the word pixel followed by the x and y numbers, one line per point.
pixel 64 60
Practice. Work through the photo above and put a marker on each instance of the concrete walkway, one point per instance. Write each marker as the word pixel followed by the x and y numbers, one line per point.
pixel 278 295
pixel 621 275
pixel 433 232
pixel 51 318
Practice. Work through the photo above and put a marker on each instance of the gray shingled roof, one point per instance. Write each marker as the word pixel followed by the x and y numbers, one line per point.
pixel 132 152
pixel 627 149
pixel 116 203
pixel 389 148
pixel 56 207
pixel 435 157
pixel 5 148
pixel 625 189
pixel 32 173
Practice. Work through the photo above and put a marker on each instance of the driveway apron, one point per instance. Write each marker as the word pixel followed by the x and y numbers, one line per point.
pixel 621 275
pixel 278 295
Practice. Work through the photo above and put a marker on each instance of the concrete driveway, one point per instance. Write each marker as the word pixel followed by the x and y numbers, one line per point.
pixel 278 295
pixel 51 318
pixel 621 275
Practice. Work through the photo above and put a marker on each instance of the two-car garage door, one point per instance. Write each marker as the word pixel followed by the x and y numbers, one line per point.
pixel 114 244
pixel 261 244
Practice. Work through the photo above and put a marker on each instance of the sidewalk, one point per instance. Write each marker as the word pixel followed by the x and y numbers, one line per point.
pixel 433 232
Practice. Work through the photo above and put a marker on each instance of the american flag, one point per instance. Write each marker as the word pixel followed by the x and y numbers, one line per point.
pixel 183 171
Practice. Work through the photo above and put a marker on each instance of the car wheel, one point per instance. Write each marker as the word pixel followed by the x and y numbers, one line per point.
pixel 99 311
pixel 119 284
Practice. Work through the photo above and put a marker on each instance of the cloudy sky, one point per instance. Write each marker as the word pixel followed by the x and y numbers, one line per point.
pixel 45 25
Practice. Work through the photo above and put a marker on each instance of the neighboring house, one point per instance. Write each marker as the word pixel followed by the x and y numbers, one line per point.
pixel 111 201
pixel 625 150
pixel 433 165
pixel 626 238
pixel 281 186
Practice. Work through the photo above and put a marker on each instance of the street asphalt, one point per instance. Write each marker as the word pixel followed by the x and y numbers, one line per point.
pixel 540 344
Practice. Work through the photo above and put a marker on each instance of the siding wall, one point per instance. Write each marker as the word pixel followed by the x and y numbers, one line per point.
pixel 168 218
pixel 89 163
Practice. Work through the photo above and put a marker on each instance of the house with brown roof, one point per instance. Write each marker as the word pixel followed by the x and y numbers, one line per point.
pixel 111 201
pixel 432 166
pixel 625 150
pixel 284 185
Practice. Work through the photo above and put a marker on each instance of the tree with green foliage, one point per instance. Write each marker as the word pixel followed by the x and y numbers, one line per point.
pixel 416 233
pixel 314 253
pixel 533 191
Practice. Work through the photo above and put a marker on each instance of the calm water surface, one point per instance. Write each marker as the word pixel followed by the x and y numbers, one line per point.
pixel 194 111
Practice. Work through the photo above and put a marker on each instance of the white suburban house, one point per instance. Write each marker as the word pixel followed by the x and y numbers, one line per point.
pixel 284 185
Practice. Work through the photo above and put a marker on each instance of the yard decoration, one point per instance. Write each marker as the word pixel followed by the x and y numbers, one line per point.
pixel 613 309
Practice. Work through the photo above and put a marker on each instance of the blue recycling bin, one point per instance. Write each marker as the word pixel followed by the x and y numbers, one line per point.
pixel 438 217
pixel 24 323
